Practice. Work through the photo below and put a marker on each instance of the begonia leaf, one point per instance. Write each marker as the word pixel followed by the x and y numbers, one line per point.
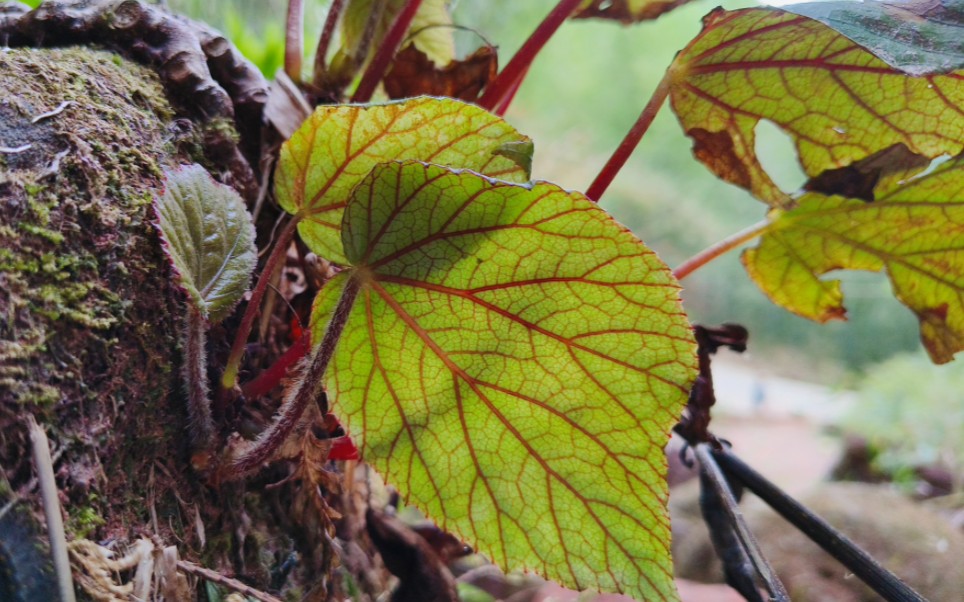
pixel 338 145
pixel 913 230
pixel 837 101
pixel 918 37
pixel 513 364
pixel 209 238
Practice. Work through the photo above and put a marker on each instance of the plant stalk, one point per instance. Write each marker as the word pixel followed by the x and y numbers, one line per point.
pixel 379 64
pixel 324 42
pixel 713 251
pixel 511 76
pixel 777 592
pixel 52 510
pixel 278 253
pixel 307 389
pixel 272 376
pixel 294 39
pixel 630 141
pixel 882 581
pixel 196 379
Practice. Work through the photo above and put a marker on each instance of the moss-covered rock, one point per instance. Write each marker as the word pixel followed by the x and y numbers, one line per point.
pixel 88 315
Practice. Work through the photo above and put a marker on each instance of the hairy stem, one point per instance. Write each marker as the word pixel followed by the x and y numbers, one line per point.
pixel 324 42
pixel 195 369
pixel 278 253
pixel 629 143
pixel 511 76
pixel 294 39
pixel 393 39
pixel 713 251
pixel 306 390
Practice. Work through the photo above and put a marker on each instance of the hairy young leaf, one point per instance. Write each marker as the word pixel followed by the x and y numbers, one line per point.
pixel 836 100
pixel 914 231
pixel 513 364
pixel 918 38
pixel 209 238
pixel 626 11
pixel 338 145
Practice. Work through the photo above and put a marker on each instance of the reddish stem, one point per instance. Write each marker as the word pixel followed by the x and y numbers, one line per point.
pixel 713 251
pixel 504 105
pixel 511 76
pixel 195 380
pixel 271 377
pixel 324 42
pixel 393 39
pixel 294 39
pixel 629 143
pixel 278 253
pixel 299 396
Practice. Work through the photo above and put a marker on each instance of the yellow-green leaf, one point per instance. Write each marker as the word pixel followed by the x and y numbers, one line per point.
pixel 626 11
pixel 914 232
pixel 338 145
pixel 513 364
pixel 209 238
pixel 836 100
pixel 432 26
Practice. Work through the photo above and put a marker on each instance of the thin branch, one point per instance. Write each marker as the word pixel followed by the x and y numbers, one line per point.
pixel 324 42
pixel 774 587
pixel 882 581
pixel 278 253
pixel 227 582
pixel 195 374
pixel 713 251
pixel 294 39
pixel 511 76
pixel 630 141
pixel 300 394
pixel 379 64
pixel 51 503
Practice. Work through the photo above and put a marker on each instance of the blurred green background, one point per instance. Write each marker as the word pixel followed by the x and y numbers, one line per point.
pixel 583 92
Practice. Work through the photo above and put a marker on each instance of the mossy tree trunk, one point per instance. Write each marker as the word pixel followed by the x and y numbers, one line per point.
pixel 88 313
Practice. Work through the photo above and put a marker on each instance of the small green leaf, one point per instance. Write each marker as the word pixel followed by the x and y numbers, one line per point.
pixel 338 145
pixel 917 37
pixel 914 231
pixel 209 238
pixel 513 363
pixel 837 101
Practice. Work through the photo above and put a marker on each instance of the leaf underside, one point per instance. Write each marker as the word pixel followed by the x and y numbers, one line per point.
pixel 837 101
pixel 513 364
pixel 914 232
pixel 339 145
pixel 209 238
pixel 918 38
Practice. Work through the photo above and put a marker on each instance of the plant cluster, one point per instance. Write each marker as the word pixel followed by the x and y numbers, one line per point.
pixel 506 355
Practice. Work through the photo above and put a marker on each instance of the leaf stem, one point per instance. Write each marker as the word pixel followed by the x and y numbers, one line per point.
pixel 630 142
pixel 511 76
pixel 715 250
pixel 324 42
pixel 278 253
pixel 271 376
pixel 307 389
pixel 379 64
pixel 195 372
pixel 294 39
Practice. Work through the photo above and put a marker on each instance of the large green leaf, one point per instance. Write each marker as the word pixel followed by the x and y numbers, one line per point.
pixel 513 364
pixel 338 145
pixel 208 236
pixel 836 100
pixel 914 230
pixel 917 37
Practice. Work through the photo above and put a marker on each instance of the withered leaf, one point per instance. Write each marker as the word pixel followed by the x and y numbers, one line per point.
pixel 414 74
